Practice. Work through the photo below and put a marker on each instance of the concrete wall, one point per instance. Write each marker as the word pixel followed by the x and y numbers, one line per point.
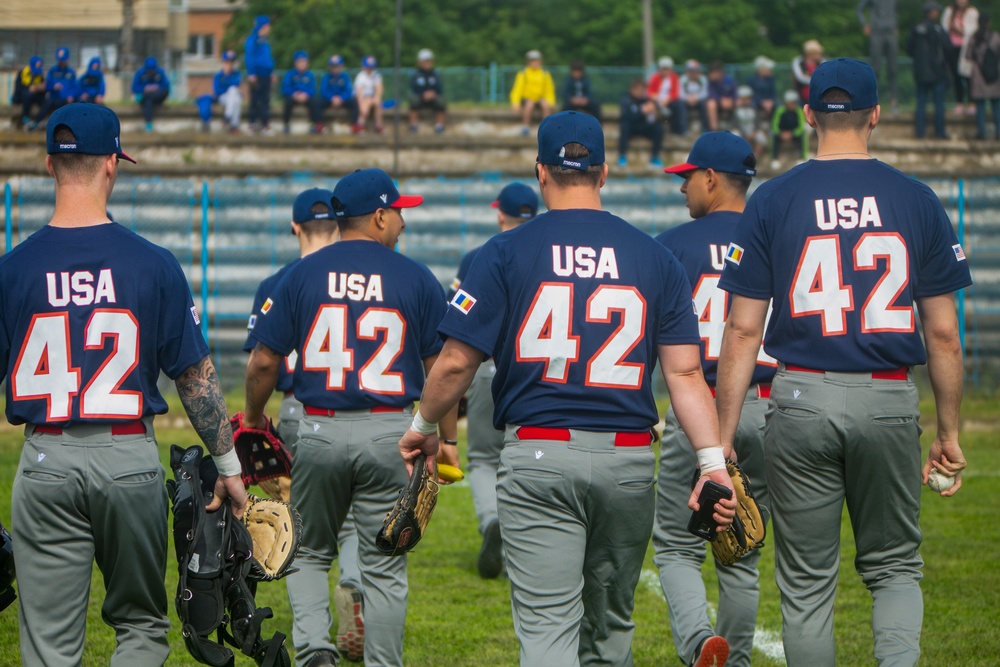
pixel 79 15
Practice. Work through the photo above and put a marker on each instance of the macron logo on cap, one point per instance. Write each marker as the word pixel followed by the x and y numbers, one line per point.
pixel 67 147
pixel 384 198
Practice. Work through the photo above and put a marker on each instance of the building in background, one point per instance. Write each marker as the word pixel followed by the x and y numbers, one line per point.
pixel 207 21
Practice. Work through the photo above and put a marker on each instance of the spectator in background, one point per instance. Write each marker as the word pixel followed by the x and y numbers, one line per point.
pixel 368 88
pixel 789 127
pixel 577 93
pixel 226 92
pixel 639 116
pixel 882 32
pixel 747 121
pixel 336 91
pixel 928 46
pixel 259 62
pixel 91 84
pixel 60 84
pixel 961 20
pixel 29 92
pixel 803 67
pixel 765 92
pixel 721 95
pixel 665 89
pixel 694 91
pixel 298 88
pixel 984 84
pixel 533 87
pixel 427 91
pixel 151 88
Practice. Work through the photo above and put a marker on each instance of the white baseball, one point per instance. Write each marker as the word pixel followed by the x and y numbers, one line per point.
pixel 939 481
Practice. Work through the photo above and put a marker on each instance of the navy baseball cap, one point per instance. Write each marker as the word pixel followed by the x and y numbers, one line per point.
pixel 365 191
pixel 96 128
pixel 721 151
pixel 302 208
pixel 570 127
pixel 854 77
pixel 336 60
pixel 62 53
pixel 515 197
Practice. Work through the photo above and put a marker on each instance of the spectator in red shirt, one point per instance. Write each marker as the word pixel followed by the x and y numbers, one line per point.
pixel 665 89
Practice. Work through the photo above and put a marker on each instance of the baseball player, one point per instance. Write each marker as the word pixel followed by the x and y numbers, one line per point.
pixel 315 226
pixel 846 246
pixel 575 306
pixel 90 314
pixel 363 319
pixel 716 177
pixel 516 204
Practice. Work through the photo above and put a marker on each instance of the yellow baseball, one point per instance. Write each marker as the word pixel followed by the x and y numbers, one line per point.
pixel 450 473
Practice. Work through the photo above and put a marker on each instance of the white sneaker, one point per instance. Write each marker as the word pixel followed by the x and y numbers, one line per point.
pixel 775 164
pixel 350 613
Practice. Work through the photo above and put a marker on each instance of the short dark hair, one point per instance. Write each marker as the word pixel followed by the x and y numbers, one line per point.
pixel 73 166
pixel 855 120
pixel 716 65
pixel 576 65
pixel 322 225
pixel 738 182
pixel 565 177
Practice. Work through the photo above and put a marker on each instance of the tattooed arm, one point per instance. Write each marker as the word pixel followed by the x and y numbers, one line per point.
pixel 202 399
pixel 262 375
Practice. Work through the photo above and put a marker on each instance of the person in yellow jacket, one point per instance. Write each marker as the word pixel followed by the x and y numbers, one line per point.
pixel 29 92
pixel 532 87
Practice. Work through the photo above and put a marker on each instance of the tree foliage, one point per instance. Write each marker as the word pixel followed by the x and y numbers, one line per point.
pixel 478 32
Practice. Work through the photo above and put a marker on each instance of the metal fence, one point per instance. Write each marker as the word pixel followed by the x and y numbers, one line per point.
pixel 229 234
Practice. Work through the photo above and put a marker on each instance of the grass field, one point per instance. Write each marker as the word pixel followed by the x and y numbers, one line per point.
pixel 457 619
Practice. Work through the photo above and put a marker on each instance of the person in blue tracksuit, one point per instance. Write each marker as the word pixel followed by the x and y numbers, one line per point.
pixel 298 87
pixel 91 84
pixel 151 87
pixel 260 73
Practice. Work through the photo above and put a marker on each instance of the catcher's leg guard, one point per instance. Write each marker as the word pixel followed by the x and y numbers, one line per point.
pixel 213 552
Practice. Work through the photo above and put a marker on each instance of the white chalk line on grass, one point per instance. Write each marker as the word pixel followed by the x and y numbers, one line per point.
pixel 766 641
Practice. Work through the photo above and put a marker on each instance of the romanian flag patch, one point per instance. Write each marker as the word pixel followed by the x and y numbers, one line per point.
pixel 463 301
pixel 266 307
pixel 734 254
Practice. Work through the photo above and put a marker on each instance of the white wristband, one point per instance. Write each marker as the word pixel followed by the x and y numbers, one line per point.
pixel 421 425
pixel 228 464
pixel 711 459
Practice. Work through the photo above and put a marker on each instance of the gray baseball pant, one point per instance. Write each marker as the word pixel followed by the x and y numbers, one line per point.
pixel 350 461
pixel 289 415
pixel 679 554
pixel 832 437
pixel 82 496
pixel 575 519
pixel 485 443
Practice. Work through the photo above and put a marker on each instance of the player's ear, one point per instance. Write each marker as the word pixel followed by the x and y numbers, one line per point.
pixel 604 175
pixel 296 228
pixel 876 115
pixel 810 115
pixel 48 166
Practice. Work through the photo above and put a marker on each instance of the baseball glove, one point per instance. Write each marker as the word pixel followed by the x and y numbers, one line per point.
pixel 406 522
pixel 747 531
pixel 263 457
pixel 276 529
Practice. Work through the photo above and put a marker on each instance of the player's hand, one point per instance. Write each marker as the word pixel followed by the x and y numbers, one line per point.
pixel 260 424
pixel 725 509
pixel 229 487
pixel 867 30
pixel 412 443
pixel 730 453
pixel 252 79
pixel 448 455
pixel 946 457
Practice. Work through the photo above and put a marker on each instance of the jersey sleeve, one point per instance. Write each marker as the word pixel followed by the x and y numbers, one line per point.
pixel 476 312
pixel 678 324
pixel 258 301
pixel 943 267
pixel 433 308
pixel 748 263
pixel 275 325
pixel 181 343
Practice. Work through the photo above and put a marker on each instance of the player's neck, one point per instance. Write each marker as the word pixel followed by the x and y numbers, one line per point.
pixel 79 206
pixel 310 244
pixel 734 204
pixel 842 146
pixel 573 197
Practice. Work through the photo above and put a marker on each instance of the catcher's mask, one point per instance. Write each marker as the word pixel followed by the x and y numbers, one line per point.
pixel 216 587
pixel 7 594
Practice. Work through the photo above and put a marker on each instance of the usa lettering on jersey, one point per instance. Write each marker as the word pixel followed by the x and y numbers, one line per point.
pixel 843 213
pixel 79 288
pixel 355 286
pixel 584 262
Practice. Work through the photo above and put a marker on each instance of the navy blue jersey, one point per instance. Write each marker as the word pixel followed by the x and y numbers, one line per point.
pixel 362 330
pixel 89 318
pixel 700 246
pixel 463 270
pixel 572 306
pixel 263 291
pixel 845 248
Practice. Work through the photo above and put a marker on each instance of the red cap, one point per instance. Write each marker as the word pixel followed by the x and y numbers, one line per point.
pixel 681 168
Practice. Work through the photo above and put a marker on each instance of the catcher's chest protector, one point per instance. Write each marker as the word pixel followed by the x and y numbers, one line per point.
pixel 213 554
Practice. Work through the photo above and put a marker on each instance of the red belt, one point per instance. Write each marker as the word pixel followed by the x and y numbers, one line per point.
pixel 323 412
pixel 763 390
pixel 627 439
pixel 894 374
pixel 123 428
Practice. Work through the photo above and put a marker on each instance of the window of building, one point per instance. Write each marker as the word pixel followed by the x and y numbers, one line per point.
pixel 201 46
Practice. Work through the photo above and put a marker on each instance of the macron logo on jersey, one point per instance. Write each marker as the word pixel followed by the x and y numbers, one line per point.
pixel 267 306
pixel 463 301
pixel 734 254
pixel 959 253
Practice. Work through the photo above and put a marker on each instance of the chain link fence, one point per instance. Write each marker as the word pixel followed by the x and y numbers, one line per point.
pixel 229 234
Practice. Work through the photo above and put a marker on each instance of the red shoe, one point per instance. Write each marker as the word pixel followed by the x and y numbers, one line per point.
pixel 379 129
pixel 714 653
pixel 357 128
